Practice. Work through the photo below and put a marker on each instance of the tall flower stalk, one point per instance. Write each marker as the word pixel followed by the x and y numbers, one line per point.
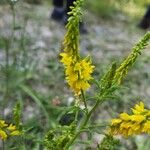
pixel 77 70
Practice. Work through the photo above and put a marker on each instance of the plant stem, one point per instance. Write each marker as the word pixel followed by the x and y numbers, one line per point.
pixel 98 102
pixel 13 22
pixel 85 121
pixel 7 67
pixel 84 101
pixel 6 94
pixel 76 116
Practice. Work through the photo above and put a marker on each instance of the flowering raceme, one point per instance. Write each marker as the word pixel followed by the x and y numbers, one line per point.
pixel 136 123
pixel 7 130
pixel 78 72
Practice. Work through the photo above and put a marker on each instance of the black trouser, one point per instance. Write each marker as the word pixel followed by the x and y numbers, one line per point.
pixel 147 14
pixel 60 3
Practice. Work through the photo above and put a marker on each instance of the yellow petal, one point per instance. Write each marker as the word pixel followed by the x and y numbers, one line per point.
pixel 11 127
pixel 3 135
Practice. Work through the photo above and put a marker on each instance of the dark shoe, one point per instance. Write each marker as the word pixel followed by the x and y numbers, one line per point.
pixel 57 14
pixel 144 24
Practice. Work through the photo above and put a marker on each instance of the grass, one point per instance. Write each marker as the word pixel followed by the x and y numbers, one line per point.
pixel 36 84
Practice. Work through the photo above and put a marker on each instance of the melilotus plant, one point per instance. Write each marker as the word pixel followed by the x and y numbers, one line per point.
pixel 78 72
pixel 78 75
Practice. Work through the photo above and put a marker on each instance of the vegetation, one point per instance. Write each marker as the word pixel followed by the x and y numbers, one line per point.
pixel 33 116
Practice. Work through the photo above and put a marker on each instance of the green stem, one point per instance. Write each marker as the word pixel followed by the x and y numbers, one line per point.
pixel 7 67
pixel 6 94
pixel 22 43
pixel 99 125
pixel 77 108
pixel 99 101
pixel 76 115
pixel 3 145
pixel 84 101
pixel 13 22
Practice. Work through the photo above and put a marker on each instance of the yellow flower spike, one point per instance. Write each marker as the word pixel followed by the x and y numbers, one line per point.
pixel 3 135
pixel 136 123
pixel 11 127
pixel 78 72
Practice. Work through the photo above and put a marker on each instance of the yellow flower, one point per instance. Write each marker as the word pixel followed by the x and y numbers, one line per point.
pixel 15 133
pixel 87 69
pixel 78 72
pixel 3 135
pixel 66 59
pixel 125 125
pixel 7 130
pixel 137 118
pixel 124 116
pixel 3 124
pixel 146 127
pixel 116 121
pixel 138 108
pixel 136 123
pixel 11 127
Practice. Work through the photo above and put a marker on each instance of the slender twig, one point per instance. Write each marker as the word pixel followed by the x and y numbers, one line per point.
pixel 84 101
pixel 12 6
pixel 6 95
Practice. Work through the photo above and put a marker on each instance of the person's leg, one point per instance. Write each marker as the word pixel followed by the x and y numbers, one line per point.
pixel 145 22
pixel 58 11
pixel 147 15
pixel 58 3
pixel 68 4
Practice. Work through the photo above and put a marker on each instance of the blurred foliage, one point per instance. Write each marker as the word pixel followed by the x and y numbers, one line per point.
pixel 104 9
pixel 108 8
pixel 34 1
